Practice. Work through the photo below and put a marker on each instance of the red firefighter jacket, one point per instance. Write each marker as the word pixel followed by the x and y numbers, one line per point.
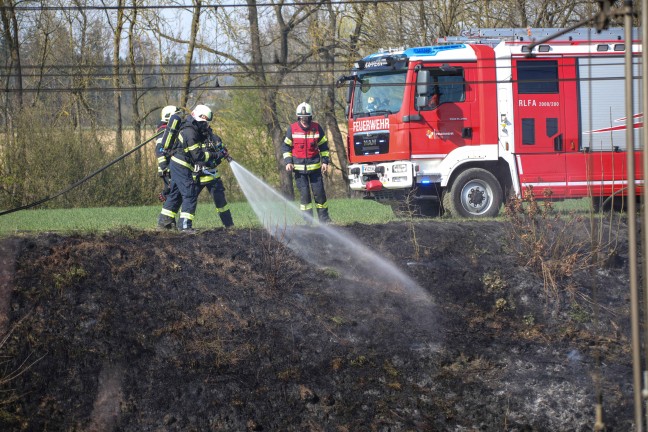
pixel 306 148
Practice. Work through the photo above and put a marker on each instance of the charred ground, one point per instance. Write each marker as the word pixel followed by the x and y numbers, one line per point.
pixel 232 331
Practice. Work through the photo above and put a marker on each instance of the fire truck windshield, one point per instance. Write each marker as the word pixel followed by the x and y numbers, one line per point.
pixel 378 94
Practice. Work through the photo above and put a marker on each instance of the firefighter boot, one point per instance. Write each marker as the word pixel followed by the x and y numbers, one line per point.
pixel 186 226
pixel 226 218
pixel 323 216
pixel 165 222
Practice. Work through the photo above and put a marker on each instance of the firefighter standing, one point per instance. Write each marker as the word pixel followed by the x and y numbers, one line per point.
pixel 197 151
pixel 306 154
pixel 170 121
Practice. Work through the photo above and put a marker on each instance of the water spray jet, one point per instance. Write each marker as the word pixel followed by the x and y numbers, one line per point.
pixel 324 246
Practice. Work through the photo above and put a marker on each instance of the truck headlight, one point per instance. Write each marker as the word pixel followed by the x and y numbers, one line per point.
pixel 399 168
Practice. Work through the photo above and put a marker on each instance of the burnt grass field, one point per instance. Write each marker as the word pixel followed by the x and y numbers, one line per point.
pixel 233 331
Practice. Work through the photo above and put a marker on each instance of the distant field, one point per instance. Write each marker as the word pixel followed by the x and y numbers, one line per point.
pixel 342 211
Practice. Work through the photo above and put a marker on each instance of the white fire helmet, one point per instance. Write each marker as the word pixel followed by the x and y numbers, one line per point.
pixel 202 113
pixel 168 111
pixel 304 110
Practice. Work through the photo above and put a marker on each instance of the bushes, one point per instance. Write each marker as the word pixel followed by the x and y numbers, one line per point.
pixel 49 158
pixel 47 150
pixel 553 245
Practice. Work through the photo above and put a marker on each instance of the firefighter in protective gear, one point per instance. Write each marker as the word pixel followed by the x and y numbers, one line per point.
pixel 306 154
pixel 170 121
pixel 198 150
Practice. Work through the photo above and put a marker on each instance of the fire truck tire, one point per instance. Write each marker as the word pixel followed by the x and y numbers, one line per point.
pixel 474 193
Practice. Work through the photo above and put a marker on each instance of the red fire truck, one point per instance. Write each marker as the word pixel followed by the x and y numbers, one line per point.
pixel 480 116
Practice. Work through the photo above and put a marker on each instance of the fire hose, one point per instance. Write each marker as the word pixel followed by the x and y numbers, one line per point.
pixel 221 153
pixel 83 180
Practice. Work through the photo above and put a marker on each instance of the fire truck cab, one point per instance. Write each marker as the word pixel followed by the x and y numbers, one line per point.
pixel 477 117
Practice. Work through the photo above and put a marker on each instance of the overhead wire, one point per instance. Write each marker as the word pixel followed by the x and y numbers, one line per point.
pixel 192 6
pixel 153 73
pixel 78 72
pixel 226 87
pixel 616 62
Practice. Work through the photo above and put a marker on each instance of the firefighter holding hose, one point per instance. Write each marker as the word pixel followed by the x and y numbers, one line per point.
pixel 306 154
pixel 194 158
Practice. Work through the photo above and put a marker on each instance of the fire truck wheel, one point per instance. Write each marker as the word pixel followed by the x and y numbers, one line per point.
pixel 474 193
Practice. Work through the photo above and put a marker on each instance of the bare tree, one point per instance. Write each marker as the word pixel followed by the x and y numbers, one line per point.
pixel 48 26
pixel 132 37
pixel 165 60
pixel 117 95
pixel 77 32
pixel 268 68
pixel 195 25
pixel 269 94
pixel 329 55
pixel 64 62
pixel 283 64
pixel 10 34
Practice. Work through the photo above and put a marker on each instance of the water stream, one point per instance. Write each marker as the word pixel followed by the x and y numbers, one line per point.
pixel 324 246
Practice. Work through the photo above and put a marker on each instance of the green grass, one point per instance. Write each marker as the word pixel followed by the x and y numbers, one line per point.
pixel 342 211
pixel 581 205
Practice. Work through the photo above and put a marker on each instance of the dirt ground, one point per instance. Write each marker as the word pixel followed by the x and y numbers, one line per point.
pixel 235 331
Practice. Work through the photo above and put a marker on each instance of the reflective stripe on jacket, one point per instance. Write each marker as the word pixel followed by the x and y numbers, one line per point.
pixel 191 146
pixel 306 148
pixel 160 154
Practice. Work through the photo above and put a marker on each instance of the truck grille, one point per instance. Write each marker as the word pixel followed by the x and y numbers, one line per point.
pixel 370 143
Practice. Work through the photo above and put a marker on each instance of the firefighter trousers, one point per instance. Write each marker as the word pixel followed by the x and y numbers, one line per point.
pixel 170 206
pixel 185 192
pixel 186 195
pixel 312 180
pixel 217 191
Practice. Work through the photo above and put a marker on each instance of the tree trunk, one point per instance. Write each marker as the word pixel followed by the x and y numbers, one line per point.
pixel 137 121
pixel 116 80
pixel 186 81
pixel 330 120
pixel 10 34
pixel 41 67
pixel 270 98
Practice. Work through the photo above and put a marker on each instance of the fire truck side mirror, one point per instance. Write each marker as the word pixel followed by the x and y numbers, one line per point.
pixel 422 82
pixel 346 112
pixel 421 101
pixel 422 86
pixel 348 94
